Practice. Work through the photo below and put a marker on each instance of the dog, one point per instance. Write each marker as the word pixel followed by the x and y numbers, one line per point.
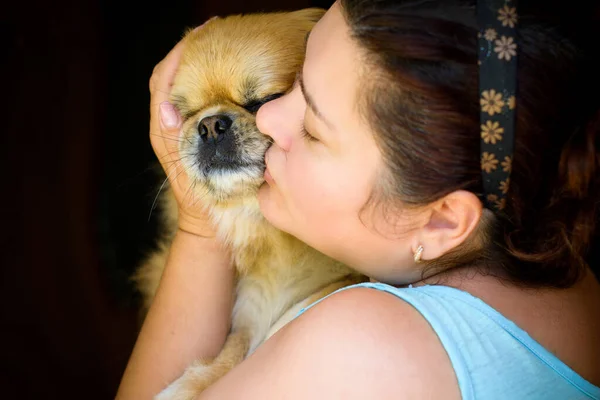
pixel 229 68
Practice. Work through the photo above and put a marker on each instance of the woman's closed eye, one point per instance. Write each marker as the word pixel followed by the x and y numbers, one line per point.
pixel 306 135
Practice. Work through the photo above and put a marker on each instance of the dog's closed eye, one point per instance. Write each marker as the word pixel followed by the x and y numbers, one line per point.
pixel 253 105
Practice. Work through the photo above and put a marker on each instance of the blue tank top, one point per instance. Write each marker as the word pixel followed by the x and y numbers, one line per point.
pixel 492 357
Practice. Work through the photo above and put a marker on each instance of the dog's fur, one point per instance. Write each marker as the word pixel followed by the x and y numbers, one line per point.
pixel 229 67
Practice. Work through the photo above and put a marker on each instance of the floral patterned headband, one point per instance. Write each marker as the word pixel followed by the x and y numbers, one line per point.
pixel 497 89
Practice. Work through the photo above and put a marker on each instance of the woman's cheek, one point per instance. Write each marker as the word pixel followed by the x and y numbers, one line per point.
pixel 311 185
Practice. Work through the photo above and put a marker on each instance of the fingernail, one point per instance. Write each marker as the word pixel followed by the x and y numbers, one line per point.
pixel 168 116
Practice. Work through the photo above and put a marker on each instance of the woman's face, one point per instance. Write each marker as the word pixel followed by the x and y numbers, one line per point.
pixel 324 162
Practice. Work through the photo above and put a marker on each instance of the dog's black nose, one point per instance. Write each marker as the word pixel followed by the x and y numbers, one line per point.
pixel 213 128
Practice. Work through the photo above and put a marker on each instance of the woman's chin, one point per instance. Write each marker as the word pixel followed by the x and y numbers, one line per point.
pixel 273 208
pixel 266 202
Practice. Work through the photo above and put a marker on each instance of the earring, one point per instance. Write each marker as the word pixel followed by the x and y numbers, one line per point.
pixel 418 254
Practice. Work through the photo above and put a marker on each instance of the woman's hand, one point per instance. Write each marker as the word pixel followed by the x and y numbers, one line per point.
pixel 165 128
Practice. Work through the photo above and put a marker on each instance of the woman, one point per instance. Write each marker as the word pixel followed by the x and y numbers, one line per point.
pixel 377 161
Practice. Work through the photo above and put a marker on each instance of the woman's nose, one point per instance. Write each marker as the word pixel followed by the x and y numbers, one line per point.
pixel 278 119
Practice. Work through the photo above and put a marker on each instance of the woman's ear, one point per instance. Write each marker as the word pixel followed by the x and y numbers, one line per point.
pixel 450 221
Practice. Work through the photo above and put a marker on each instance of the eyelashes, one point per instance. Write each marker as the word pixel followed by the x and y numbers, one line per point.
pixel 254 105
pixel 306 135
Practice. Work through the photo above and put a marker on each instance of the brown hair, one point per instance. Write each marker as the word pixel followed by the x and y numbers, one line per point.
pixel 421 99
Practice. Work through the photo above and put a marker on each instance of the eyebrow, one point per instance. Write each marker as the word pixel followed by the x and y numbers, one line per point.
pixel 307 97
pixel 311 103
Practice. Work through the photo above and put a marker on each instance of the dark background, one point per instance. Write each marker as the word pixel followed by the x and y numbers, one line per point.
pixel 76 187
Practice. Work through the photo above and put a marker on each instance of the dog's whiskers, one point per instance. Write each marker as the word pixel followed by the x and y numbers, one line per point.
pixel 169 138
pixel 201 196
pixel 178 160
pixel 156 198
pixel 169 154
pixel 163 185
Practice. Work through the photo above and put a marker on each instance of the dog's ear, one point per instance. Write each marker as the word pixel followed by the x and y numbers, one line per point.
pixel 313 14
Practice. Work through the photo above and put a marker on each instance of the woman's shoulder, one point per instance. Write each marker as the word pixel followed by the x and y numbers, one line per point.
pixel 357 343
pixel 370 333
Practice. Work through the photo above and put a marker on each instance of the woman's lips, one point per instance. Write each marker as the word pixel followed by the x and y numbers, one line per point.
pixel 268 177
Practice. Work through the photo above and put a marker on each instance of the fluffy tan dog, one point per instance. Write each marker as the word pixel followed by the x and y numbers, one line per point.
pixel 229 68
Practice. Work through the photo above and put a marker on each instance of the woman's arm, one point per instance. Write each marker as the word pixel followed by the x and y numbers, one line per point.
pixel 189 317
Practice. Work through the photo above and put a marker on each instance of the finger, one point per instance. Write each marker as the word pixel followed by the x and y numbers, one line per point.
pixel 154 77
pixel 165 132
pixel 164 74
pixel 165 121
pixel 170 128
